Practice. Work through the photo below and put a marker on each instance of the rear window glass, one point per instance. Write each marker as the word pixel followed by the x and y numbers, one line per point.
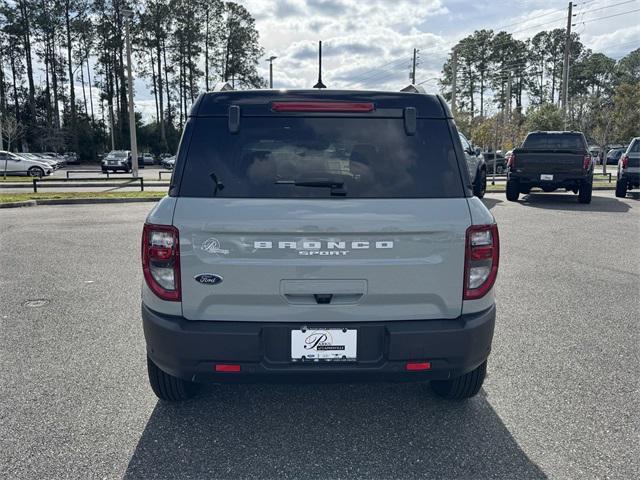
pixel 369 158
pixel 550 141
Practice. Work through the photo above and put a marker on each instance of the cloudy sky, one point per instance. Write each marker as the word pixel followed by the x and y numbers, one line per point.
pixel 369 43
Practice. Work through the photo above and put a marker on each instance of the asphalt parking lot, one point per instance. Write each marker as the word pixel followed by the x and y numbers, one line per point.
pixel 561 399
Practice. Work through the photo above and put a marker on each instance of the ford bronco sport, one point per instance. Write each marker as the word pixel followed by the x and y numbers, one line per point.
pixel 319 234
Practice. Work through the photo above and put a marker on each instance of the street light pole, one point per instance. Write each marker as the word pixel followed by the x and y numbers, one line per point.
pixel 128 15
pixel 271 59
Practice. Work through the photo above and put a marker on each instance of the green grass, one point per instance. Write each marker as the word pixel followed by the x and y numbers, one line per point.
pixel 14 178
pixel 21 197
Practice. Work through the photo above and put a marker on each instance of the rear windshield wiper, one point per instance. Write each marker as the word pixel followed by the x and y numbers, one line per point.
pixel 336 186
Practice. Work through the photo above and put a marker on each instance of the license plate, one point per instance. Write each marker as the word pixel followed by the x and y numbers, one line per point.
pixel 324 344
pixel 546 177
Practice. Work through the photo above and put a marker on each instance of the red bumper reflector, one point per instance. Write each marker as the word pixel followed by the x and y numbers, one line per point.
pixel 344 107
pixel 416 366
pixel 221 367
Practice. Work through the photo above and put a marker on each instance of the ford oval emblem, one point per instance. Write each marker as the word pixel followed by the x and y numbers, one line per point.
pixel 208 278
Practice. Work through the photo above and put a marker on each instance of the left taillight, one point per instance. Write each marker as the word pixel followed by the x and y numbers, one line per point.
pixel 482 255
pixel 625 161
pixel 161 261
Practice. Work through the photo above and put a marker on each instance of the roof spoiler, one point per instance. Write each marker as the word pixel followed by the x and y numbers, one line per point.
pixel 222 87
pixel 413 89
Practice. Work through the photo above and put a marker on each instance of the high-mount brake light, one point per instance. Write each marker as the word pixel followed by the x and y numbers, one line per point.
pixel 482 255
pixel 337 107
pixel 161 261
pixel 625 161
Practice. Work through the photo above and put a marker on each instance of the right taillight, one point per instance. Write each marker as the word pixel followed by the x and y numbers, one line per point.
pixel 625 160
pixel 161 260
pixel 482 254
pixel 511 161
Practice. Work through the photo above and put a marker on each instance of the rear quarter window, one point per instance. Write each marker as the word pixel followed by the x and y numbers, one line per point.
pixel 371 157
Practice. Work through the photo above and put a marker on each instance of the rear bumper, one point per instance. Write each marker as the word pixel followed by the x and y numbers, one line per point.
pixel 559 179
pixel 191 349
pixel 632 178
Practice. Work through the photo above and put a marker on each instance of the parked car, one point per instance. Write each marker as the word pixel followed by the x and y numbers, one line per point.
pixel 476 166
pixel 38 157
pixel 71 158
pixel 169 162
pixel 327 248
pixel 117 160
pixel 147 158
pixel 500 160
pixel 614 155
pixel 629 169
pixel 551 160
pixel 53 155
pixel 14 164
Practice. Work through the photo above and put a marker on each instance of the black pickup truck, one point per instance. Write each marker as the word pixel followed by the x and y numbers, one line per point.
pixel 551 160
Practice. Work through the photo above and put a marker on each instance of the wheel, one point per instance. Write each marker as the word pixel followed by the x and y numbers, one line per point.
pixel 584 194
pixel 36 172
pixel 167 387
pixel 480 185
pixel 513 190
pixel 621 189
pixel 548 189
pixel 459 388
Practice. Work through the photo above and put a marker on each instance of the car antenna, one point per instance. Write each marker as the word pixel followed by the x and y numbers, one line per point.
pixel 320 84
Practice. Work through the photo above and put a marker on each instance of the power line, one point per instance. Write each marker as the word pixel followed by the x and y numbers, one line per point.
pixel 608 6
pixel 608 16
pixel 376 70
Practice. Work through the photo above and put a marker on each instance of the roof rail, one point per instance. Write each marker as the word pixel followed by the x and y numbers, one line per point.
pixel 222 87
pixel 413 89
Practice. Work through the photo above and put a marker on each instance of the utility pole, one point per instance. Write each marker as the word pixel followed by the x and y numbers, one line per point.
pixel 113 138
pixel 128 14
pixel 565 67
pixel 271 59
pixel 413 69
pixel 454 81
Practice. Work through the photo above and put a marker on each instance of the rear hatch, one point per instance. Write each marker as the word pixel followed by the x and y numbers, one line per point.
pixel 321 218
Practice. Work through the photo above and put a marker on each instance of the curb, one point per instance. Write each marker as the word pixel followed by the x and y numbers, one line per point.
pixel 26 203
pixel 76 201
pixel 74 185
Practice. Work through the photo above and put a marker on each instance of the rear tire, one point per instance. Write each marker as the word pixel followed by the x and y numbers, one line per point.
pixel 480 187
pixel 621 189
pixel 167 387
pixel 584 194
pixel 466 386
pixel 513 190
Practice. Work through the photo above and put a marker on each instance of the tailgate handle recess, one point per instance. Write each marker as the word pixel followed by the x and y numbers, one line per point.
pixel 323 298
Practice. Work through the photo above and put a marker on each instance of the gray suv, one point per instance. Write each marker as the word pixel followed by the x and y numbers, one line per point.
pixel 319 234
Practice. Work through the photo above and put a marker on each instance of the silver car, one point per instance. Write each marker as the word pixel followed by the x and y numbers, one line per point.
pixel 328 234
pixel 14 164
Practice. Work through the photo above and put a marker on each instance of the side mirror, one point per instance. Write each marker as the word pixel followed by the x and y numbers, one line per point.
pixel 478 151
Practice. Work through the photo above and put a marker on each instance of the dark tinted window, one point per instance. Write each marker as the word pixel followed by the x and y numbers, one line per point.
pixel 559 141
pixel 372 158
pixel 635 147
